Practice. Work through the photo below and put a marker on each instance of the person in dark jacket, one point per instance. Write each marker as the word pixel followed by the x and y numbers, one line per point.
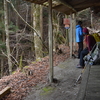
pixel 89 43
pixel 79 37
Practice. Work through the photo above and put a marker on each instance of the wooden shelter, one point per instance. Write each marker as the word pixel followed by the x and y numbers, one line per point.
pixel 67 7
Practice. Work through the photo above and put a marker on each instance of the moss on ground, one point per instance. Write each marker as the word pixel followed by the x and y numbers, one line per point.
pixel 47 90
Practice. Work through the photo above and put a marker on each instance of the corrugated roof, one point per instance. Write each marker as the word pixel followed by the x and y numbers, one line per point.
pixel 69 6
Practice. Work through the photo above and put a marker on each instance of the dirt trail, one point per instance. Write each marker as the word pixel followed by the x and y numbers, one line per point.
pixel 66 73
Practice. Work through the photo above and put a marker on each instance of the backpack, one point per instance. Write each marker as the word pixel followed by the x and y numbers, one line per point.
pixel 94 56
pixel 96 36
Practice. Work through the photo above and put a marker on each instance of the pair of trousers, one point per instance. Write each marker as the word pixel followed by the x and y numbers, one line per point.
pixel 80 48
pixel 83 53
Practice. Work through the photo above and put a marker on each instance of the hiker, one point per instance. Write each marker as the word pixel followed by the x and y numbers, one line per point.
pixel 79 37
pixel 89 43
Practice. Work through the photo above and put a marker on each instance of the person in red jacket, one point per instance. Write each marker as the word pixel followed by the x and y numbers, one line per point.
pixel 89 43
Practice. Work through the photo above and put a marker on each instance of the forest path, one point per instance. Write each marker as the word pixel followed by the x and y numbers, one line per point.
pixel 66 73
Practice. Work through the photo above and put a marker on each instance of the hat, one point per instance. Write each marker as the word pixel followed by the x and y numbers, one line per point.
pixel 85 31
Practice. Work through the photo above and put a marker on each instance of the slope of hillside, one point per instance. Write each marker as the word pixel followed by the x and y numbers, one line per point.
pixel 21 82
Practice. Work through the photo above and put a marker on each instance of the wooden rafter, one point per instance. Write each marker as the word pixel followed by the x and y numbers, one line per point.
pixel 66 4
pixel 37 1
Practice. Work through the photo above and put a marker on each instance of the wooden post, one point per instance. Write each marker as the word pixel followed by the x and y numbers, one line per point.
pixel 50 32
pixel 71 36
pixel 74 28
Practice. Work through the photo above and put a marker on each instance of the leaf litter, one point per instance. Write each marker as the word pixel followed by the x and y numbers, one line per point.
pixel 21 84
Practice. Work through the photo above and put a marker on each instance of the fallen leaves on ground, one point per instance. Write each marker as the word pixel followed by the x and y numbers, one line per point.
pixel 21 83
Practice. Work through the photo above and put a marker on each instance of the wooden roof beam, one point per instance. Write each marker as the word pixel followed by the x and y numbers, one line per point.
pixel 66 4
pixel 37 1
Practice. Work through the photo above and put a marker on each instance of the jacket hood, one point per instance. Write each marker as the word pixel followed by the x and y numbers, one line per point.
pixel 78 26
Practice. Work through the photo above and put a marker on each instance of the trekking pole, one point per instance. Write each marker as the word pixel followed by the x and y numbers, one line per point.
pixel 79 77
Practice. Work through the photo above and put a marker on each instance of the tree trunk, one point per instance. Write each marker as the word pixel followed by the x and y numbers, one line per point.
pixel 56 25
pixel 17 7
pixel 92 19
pixel 54 19
pixel 32 19
pixel 17 3
pixel 2 67
pixel 36 24
pixel 7 37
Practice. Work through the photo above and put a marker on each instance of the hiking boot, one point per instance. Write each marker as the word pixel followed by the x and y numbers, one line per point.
pixel 79 66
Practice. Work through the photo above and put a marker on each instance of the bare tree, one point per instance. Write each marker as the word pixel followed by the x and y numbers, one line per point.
pixel 7 36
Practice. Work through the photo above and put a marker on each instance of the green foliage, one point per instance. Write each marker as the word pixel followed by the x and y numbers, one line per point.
pixel 1 4
pixel 45 13
pixel 20 63
pixel 1 18
pixel 13 27
pixel 1 13
pixel 2 30
pixel 98 20
pixel 2 45
pixel 13 72
pixel 26 66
